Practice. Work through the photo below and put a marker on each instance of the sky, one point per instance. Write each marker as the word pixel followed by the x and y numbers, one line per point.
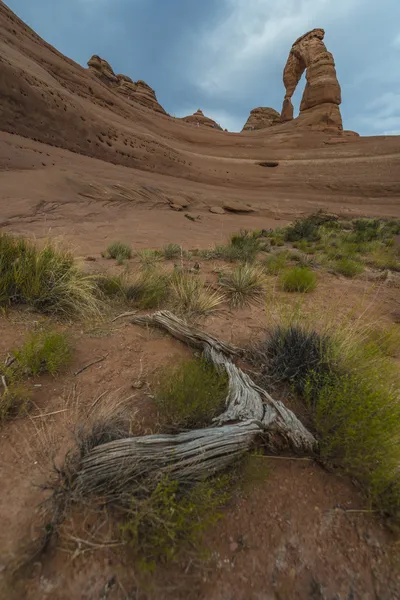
pixel 227 56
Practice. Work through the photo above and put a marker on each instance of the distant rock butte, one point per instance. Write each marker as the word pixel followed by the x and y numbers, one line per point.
pixel 198 118
pixel 138 91
pixel 319 107
pixel 261 118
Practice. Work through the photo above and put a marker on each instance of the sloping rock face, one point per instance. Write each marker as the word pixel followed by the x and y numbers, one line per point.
pixel 261 118
pixel 138 91
pixel 198 118
pixel 319 107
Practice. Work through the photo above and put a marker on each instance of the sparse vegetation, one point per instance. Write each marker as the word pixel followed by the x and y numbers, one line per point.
pixel 149 258
pixel 276 263
pixel 188 294
pixel 171 518
pixel 45 278
pixel 119 251
pixel 351 390
pixel 244 284
pixel 148 289
pixel 190 395
pixel 43 352
pixel 348 267
pixel 172 251
pixel 14 398
pixel 298 279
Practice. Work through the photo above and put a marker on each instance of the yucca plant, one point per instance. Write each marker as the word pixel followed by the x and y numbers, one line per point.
pixel 188 294
pixel 244 284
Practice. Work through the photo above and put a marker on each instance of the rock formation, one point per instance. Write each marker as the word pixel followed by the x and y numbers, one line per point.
pixel 322 95
pixel 198 118
pixel 138 91
pixel 261 118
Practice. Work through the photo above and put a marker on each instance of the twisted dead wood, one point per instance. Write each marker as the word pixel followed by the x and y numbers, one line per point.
pixel 117 469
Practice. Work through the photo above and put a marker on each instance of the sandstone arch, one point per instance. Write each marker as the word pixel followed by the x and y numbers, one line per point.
pixel 322 94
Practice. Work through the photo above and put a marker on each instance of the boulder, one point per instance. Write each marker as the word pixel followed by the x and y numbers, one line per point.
pixel 198 118
pixel 319 107
pixel 261 118
pixel 138 91
pixel 238 207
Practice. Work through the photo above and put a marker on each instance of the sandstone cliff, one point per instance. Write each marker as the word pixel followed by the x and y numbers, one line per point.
pixel 198 118
pixel 319 107
pixel 261 118
pixel 138 91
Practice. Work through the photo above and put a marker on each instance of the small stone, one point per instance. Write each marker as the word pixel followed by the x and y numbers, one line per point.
pixel 233 547
pixel 90 259
pixel 176 207
pixel 238 207
pixel 217 210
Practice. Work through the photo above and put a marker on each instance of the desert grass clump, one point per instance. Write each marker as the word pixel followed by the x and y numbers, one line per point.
pixel 244 285
pixel 119 251
pixel 190 395
pixel 291 354
pixel 357 420
pixel 44 352
pixel 276 263
pixel 149 258
pixel 190 296
pixel 148 289
pixel 298 279
pixel 172 518
pixel 172 251
pixel 308 228
pixel 45 278
pixel 14 396
pixel 348 267
pixel 244 247
pixel 111 286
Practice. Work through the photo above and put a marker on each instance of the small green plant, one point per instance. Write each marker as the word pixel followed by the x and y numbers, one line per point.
pixel 46 279
pixel 276 263
pixel 188 294
pixel 172 251
pixel 357 421
pixel 14 398
pixel 348 267
pixel 244 247
pixel 149 289
pixel 244 284
pixel 149 258
pixel 119 251
pixel 44 352
pixel 307 228
pixel 298 279
pixel 191 395
pixel 173 518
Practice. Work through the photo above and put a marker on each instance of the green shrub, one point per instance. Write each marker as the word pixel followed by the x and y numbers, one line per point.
pixel 44 352
pixel 276 263
pixel 244 247
pixel 111 286
pixel 15 399
pixel 119 251
pixel 191 395
pixel 307 228
pixel 348 267
pixel 298 279
pixel 148 258
pixel 149 289
pixel 172 251
pixel 357 422
pixel 385 258
pixel 45 278
pixel 173 518
pixel 244 284
pixel 188 295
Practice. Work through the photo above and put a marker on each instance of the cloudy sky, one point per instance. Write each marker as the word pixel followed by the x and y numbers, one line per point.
pixel 227 56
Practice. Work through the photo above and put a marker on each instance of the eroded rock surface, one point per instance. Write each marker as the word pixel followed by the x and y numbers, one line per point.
pixel 322 95
pixel 261 118
pixel 198 118
pixel 138 91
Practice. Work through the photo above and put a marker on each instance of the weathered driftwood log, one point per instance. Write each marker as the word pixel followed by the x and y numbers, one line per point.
pixel 117 469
